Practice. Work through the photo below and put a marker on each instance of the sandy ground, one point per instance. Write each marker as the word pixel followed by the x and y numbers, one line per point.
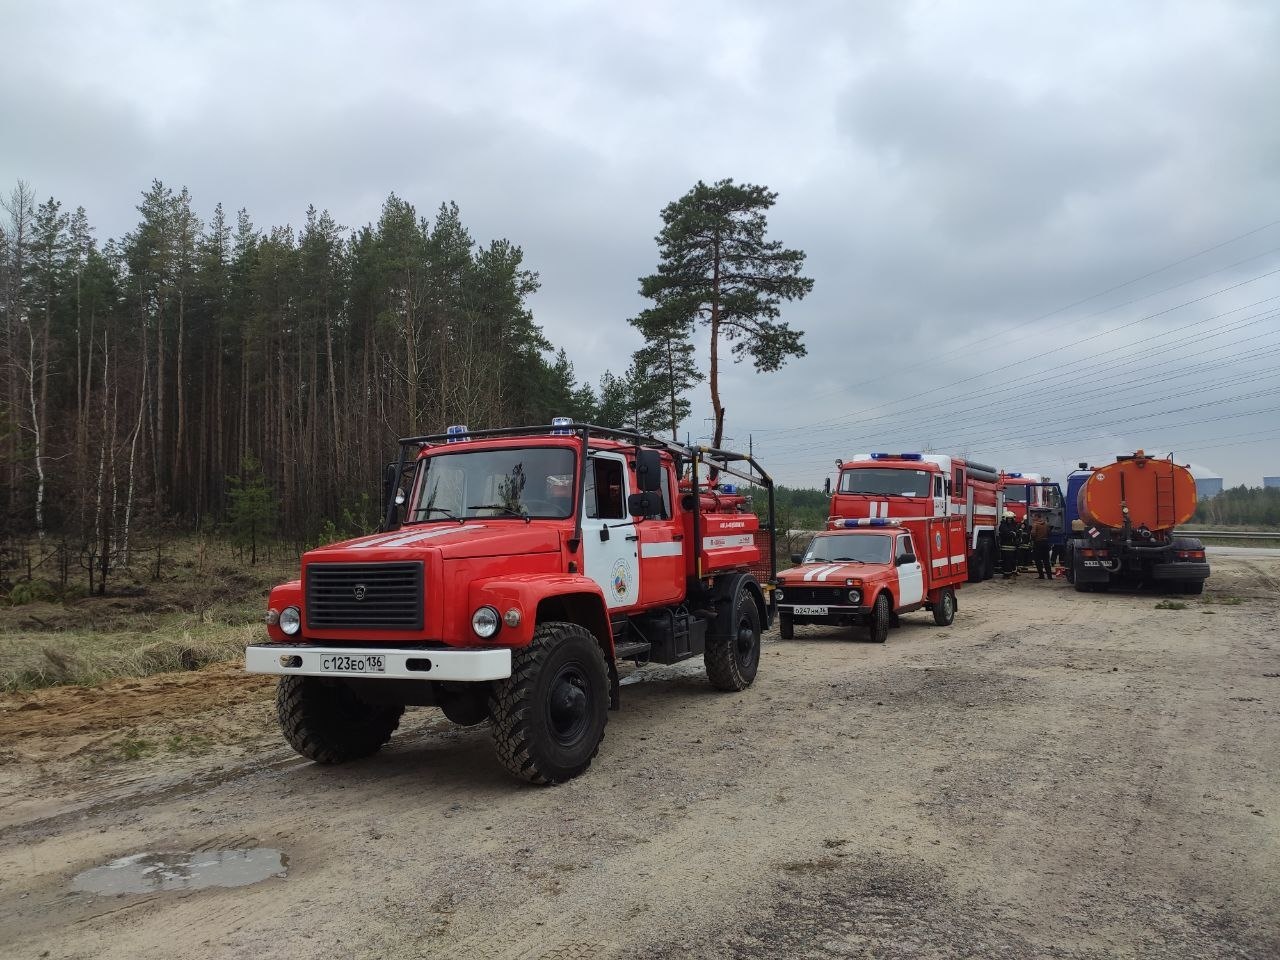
pixel 1056 775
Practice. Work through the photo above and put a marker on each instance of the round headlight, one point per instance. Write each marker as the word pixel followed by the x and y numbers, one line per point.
pixel 485 622
pixel 290 620
pixel 855 596
pixel 778 593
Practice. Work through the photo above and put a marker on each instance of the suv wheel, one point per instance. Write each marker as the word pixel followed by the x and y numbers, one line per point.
pixel 944 611
pixel 881 614
pixel 786 627
pixel 549 715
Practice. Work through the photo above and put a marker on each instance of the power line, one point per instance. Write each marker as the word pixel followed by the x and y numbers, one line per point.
pixel 1076 367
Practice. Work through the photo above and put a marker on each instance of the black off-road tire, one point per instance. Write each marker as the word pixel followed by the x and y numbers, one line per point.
pixel 732 657
pixel 543 731
pixel 978 563
pixel 988 559
pixel 786 628
pixel 944 611
pixel 326 722
pixel 1193 587
pixel 881 614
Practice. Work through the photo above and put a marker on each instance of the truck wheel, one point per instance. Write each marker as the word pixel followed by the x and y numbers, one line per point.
pixel 326 722
pixel 732 658
pixel 880 617
pixel 987 558
pixel 978 563
pixel 549 715
pixel 1193 587
pixel 786 629
pixel 944 611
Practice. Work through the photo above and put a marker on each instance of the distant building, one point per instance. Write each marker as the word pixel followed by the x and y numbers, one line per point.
pixel 1208 487
pixel 1271 481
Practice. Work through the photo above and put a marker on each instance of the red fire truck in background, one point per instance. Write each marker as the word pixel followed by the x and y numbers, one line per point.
pixel 1016 486
pixel 907 485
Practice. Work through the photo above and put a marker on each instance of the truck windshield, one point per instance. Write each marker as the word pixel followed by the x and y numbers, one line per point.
pixel 506 482
pixel 885 482
pixel 1015 494
pixel 864 547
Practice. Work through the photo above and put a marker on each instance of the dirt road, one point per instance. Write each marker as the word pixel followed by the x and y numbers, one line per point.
pixel 1056 775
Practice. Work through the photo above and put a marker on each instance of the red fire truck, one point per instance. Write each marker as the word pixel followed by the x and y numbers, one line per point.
pixel 1016 487
pixel 908 485
pixel 869 571
pixel 516 569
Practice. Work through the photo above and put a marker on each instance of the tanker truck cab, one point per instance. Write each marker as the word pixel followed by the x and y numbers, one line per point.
pixel 867 572
pixel 516 569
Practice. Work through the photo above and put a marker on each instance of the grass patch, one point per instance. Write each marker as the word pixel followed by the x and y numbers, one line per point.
pixel 1171 605
pixel 190 745
pixel 134 748
pixel 167 645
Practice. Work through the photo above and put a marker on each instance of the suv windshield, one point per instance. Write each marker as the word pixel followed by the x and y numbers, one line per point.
pixel 507 482
pixel 867 547
pixel 885 482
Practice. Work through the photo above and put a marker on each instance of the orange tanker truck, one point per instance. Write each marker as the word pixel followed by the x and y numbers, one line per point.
pixel 1123 519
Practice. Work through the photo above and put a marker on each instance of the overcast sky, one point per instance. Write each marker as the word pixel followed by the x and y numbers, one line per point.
pixel 1008 209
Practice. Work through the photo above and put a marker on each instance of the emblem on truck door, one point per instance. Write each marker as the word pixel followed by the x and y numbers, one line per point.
pixel 621 578
pixel 358 591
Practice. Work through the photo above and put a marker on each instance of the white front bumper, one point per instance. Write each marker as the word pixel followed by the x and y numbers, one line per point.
pixel 401 664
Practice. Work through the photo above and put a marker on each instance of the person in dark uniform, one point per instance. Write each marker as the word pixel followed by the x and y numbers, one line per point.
pixel 1008 546
pixel 1024 545
pixel 1040 547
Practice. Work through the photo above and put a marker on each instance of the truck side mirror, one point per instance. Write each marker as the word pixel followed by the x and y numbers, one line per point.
pixel 797 558
pixel 647 504
pixel 648 471
pixel 389 479
pixel 826 486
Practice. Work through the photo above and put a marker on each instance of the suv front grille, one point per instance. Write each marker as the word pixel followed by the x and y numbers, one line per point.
pixel 378 596
pixel 828 595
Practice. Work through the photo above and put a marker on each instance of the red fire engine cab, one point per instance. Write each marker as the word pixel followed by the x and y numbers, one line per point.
pixel 516 569
pixel 869 571
pixel 1015 487
pixel 908 485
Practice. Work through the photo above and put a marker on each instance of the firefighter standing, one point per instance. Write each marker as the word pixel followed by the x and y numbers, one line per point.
pixel 1008 545
pixel 1024 545
pixel 1040 547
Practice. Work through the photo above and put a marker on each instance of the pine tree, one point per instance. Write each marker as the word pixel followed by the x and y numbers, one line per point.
pixel 254 511
pixel 717 268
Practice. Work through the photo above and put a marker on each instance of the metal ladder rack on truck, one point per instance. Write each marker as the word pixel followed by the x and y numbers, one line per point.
pixel 910 485
pixel 515 570
pixel 1122 521
pixel 869 571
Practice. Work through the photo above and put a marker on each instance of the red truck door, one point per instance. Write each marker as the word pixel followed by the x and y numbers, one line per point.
pixel 662 563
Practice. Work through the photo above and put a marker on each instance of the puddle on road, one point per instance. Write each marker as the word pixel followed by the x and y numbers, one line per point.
pixel 190 870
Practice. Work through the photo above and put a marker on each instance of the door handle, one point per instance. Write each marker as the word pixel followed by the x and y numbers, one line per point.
pixel 634 536
pixel 678 537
